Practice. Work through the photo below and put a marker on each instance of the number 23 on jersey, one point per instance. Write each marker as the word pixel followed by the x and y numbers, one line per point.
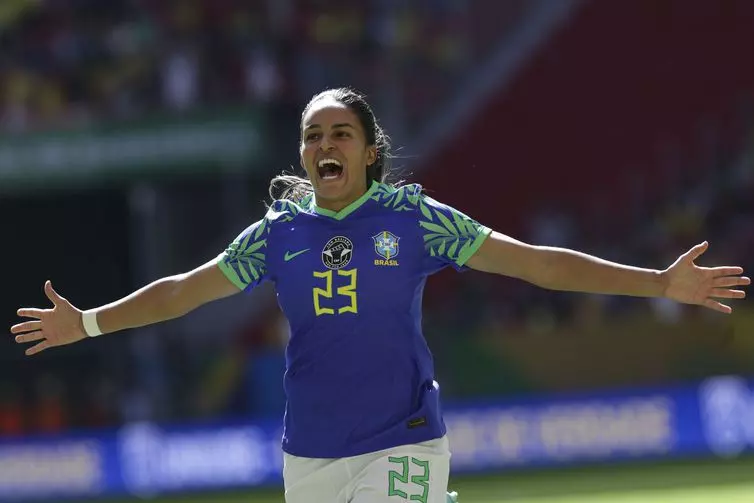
pixel 345 289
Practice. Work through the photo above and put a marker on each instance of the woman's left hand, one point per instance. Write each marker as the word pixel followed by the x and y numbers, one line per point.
pixel 688 283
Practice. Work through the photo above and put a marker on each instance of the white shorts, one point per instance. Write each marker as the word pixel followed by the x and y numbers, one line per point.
pixel 408 473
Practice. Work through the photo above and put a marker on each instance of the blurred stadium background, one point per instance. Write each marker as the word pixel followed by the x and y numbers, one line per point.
pixel 138 137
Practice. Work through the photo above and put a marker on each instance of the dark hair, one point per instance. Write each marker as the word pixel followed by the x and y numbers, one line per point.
pixel 296 187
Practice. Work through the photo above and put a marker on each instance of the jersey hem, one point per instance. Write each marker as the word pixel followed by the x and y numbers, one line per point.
pixel 370 449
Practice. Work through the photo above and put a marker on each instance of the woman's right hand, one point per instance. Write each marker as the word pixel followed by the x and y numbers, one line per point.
pixel 58 326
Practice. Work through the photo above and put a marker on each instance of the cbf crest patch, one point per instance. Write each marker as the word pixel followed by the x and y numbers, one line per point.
pixel 386 246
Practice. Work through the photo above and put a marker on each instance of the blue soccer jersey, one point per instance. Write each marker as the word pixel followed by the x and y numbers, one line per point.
pixel 359 375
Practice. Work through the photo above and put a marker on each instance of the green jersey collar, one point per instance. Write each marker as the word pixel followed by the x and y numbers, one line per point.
pixel 340 215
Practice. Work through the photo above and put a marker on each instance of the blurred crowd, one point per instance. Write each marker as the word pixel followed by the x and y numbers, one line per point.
pixel 472 309
pixel 73 63
pixel 714 203
pixel 245 378
pixel 67 63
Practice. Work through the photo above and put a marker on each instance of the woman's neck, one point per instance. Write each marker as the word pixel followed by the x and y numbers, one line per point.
pixel 336 205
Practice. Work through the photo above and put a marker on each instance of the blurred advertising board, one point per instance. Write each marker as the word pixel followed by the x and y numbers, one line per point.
pixel 197 141
pixel 715 417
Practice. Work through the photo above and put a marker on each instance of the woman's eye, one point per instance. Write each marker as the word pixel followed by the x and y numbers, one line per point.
pixel 312 137
pixel 342 134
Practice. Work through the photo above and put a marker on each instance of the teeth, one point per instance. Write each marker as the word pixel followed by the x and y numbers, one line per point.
pixel 329 161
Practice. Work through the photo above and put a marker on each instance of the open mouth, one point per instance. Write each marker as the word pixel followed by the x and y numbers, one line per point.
pixel 329 169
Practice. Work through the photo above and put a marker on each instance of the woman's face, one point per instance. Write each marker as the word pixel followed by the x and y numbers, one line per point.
pixel 335 154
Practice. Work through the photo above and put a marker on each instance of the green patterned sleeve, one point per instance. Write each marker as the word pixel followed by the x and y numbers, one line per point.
pixel 244 260
pixel 450 237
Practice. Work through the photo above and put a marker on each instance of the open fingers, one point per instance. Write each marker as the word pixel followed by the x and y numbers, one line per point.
pixel 54 296
pixel 30 312
pixel 696 251
pixel 26 326
pixel 727 293
pixel 726 270
pixel 38 348
pixel 726 281
pixel 717 306
pixel 30 337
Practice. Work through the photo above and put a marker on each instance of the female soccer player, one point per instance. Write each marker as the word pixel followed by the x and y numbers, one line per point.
pixel 349 255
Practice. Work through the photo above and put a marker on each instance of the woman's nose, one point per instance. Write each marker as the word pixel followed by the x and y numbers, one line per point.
pixel 325 145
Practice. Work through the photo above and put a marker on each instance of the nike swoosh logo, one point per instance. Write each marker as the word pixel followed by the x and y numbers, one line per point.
pixel 291 256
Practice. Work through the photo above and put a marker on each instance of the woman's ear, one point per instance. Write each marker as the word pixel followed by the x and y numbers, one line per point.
pixel 371 155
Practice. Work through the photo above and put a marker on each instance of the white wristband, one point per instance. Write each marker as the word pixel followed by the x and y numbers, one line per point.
pixel 89 319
